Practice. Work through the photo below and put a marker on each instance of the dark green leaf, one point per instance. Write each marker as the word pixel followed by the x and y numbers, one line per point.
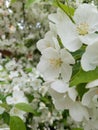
pixel 81 89
pixel 6 117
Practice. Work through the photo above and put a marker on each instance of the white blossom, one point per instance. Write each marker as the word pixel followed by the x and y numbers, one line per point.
pixel 17 97
pixel 73 35
pixel 55 62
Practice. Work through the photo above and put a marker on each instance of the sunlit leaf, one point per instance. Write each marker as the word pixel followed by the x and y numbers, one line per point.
pixel 29 2
pixel 12 1
pixel 16 123
pixel 84 77
pixel 77 129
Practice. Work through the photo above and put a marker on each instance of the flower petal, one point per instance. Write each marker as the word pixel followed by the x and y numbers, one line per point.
pixel 66 72
pixel 78 112
pixel 92 84
pixel 69 36
pixel 89 59
pixel 60 86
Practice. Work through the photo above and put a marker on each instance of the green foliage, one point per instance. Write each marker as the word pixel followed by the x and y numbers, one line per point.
pixel 28 70
pixel 29 2
pixel 81 89
pixel 27 108
pixel 30 97
pixel 78 54
pixel 16 123
pixel 77 129
pixel 84 77
pixel 12 1
pixel 4 105
pixel 66 8
pixel 6 117
pixel 2 97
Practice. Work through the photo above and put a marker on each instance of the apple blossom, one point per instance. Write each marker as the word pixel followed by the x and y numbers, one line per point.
pixel 73 35
pixel 55 62
pixel 17 97
pixel 65 98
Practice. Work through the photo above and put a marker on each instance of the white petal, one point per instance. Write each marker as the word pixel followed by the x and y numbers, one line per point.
pixel 58 17
pixel 84 12
pixel 78 112
pixel 56 44
pixel 89 38
pixel 72 93
pixel 50 53
pixel 18 94
pixel 59 86
pixel 48 72
pixel 89 59
pixel 66 72
pixel 87 97
pixel 61 101
pixel 66 57
pixel 69 36
pixel 9 100
pixel 46 42
pixel 92 84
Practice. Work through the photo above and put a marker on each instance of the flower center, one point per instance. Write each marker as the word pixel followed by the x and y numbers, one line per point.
pixel 56 62
pixel 83 28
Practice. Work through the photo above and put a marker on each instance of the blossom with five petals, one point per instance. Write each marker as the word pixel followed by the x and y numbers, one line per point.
pixel 55 63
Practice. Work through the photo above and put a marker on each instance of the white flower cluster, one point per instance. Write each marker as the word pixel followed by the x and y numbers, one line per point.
pixel 19 80
pixel 22 26
pixel 67 36
pixel 20 83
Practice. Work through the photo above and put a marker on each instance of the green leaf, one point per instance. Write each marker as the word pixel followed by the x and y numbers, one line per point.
pixel 81 89
pixel 77 129
pixel 28 70
pixel 29 2
pixel 6 117
pixel 84 77
pixel 16 123
pixel 77 54
pixel 30 97
pixel 27 108
pixel 4 105
pixel 67 9
pixel 12 1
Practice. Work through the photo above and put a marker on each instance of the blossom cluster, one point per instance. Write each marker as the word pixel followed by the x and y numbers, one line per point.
pixel 22 26
pixel 69 62
pixel 23 98
pixel 21 84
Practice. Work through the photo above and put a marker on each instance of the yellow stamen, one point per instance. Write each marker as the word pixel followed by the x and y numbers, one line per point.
pixel 83 28
pixel 56 62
